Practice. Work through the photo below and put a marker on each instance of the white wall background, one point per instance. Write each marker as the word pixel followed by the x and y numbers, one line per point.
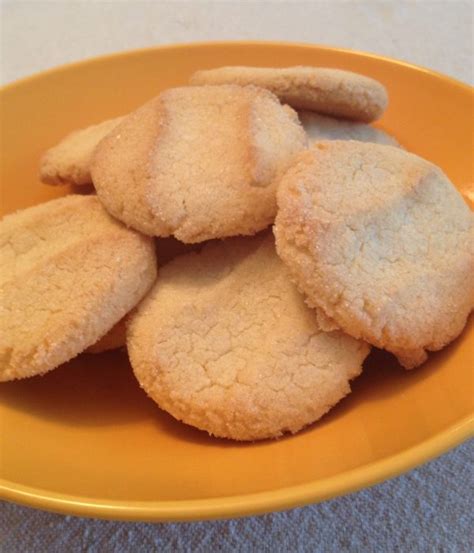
pixel 41 34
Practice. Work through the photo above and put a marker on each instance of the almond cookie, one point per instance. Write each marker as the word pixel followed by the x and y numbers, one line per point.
pixel 381 242
pixel 114 339
pixel 321 127
pixel 322 89
pixel 198 162
pixel 224 342
pixel 69 161
pixel 68 273
pixel 166 250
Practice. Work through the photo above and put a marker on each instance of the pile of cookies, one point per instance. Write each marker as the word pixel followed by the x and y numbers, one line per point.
pixel 305 238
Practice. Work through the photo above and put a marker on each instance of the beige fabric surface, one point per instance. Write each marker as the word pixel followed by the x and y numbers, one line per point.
pixel 428 510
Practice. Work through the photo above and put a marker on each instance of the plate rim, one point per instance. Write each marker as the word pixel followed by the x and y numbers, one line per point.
pixel 245 504
pixel 256 503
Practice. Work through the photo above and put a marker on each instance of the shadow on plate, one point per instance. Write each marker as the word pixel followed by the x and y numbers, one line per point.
pixel 95 390
pixel 101 390
pixel 383 377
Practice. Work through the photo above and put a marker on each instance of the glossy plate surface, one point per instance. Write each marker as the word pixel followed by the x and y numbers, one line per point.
pixel 84 439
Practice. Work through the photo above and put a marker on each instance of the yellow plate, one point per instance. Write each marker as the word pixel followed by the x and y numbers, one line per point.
pixel 84 439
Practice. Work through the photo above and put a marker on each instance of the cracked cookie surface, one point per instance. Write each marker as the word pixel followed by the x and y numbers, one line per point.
pixel 325 90
pixel 68 273
pixel 380 241
pixel 198 162
pixel 225 342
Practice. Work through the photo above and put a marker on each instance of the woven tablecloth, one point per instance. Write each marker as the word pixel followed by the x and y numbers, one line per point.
pixel 426 510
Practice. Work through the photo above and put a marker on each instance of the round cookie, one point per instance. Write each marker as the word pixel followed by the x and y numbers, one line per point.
pixel 322 89
pixel 69 161
pixel 198 162
pixel 225 342
pixel 68 273
pixel 321 127
pixel 166 250
pixel 114 339
pixel 381 242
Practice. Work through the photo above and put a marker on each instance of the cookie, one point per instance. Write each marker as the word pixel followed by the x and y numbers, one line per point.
pixel 166 250
pixel 322 89
pixel 224 342
pixel 69 161
pixel 114 339
pixel 381 242
pixel 322 127
pixel 198 162
pixel 68 273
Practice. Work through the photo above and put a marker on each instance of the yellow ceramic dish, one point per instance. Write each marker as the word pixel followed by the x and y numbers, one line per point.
pixel 85 439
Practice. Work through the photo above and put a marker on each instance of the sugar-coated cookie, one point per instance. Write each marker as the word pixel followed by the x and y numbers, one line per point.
pixel 322 89
pixel 114 339
pixel 68 273
pixel 198 162
pixel 69 161
pixel 166 250
pixel 323 127
pixel 380 241
pixel 225 342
